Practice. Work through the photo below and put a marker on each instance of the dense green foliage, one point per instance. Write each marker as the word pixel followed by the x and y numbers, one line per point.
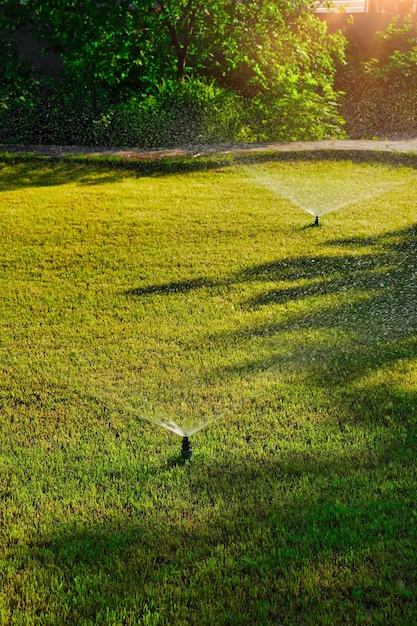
pixel 380 84
pixel 298 506
pixel 178 113
pixel 243 70
pixel 117 58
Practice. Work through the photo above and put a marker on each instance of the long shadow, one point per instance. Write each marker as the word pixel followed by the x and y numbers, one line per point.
pixel 373 305
pixel 181 286
pixel 371 319
pixel 34 171
pixel 378 289
pixel 40 171
pixel 48 173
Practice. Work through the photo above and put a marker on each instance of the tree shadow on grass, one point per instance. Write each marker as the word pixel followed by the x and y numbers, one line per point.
pixel 361 313
pixel 30 170
pixel 380 268
pixel 360 304
pixel 181 286
pixel 26 172
pixel 45 173
pixel 334 320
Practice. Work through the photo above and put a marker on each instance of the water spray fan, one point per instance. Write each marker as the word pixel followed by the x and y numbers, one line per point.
pixel 183 405
pixel 318 195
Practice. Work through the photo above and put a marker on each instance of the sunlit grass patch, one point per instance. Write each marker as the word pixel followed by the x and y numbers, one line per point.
pixel 213 294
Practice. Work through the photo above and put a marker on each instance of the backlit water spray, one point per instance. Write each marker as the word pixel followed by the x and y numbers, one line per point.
pixel 321 190
pixel 183 406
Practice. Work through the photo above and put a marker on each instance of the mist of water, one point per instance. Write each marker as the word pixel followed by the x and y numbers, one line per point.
pixel 184 418
pixel 318 192
pixel 182 403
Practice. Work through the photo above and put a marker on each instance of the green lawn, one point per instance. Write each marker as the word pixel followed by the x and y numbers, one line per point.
pixel 202 295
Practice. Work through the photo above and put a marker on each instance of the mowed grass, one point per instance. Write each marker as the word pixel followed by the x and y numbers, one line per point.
pixel 299 503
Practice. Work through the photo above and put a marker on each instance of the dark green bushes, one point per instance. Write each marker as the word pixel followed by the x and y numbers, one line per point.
pixel 264 73
pixel 180 112
pixel 381 86
pixel 195 111
pixel 297 114
pixel 53 114
pixel 157 74
pixel 177 113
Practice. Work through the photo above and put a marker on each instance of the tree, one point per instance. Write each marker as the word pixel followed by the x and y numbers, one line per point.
pixel 139 42
pixel 274 54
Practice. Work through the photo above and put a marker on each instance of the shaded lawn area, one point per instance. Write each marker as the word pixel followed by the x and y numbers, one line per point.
pixel 298 505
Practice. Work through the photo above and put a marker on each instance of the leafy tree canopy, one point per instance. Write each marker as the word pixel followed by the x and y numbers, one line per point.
pixel 274 55
pixel 136 43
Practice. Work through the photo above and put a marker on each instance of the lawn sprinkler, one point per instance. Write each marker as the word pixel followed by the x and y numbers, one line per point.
pixel 186 451
pixel 317 221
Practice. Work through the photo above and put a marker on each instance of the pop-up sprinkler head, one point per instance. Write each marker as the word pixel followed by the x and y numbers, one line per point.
pixel 317 221
pixel 186 451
